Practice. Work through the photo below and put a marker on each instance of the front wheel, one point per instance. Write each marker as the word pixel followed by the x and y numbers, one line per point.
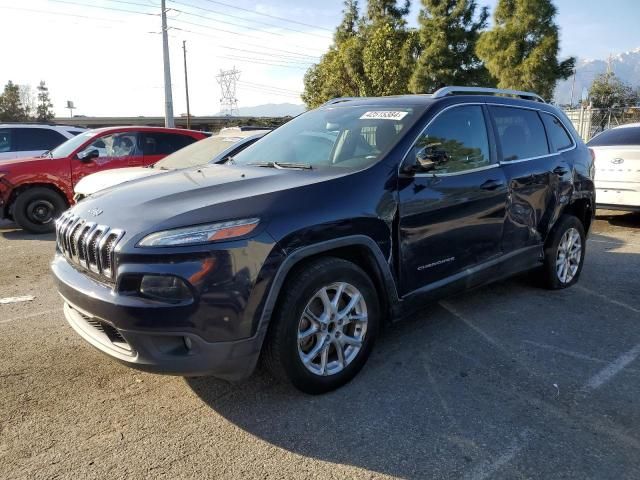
pixel 37 208
pixel 564 254
pixel 325 326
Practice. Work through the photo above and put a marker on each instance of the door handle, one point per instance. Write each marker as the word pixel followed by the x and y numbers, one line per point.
pixel 560 171
pixel 491 185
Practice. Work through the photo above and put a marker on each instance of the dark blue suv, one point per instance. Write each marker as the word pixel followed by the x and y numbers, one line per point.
pixel 299 248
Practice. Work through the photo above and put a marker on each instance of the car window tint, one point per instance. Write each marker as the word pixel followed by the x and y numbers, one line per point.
pixel 617 136
pixel 520 132
pixel 558 135
pixel 115 146
pixel 5 141
pixel 28 139
pixel 461 135
pixel 164 143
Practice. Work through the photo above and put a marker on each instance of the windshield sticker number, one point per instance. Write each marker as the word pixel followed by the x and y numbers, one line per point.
pixel 383 115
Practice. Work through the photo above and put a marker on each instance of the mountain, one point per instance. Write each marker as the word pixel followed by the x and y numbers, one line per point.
pixel 271 110
pixel 625 65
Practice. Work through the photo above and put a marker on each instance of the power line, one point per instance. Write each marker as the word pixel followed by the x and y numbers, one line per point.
pixel 268 86
pixel 104 8
pixel 222 21
pixel 218 12
pixel 259 62
pixel 268 15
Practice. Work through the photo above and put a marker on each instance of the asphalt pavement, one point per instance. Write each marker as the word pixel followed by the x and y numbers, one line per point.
pixel 508 381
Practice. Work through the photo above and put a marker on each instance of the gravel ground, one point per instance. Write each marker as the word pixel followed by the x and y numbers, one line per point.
pixel 507 381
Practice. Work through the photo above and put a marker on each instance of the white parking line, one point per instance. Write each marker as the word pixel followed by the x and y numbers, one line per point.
pixel 489 468
pixel 24 298
pixel 25 317
pixel 615 367
pixel 610 300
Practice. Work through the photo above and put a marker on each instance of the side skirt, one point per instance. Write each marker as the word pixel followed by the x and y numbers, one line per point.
pixel 490 271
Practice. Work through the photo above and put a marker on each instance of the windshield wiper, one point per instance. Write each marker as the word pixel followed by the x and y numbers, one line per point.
pixel 302 166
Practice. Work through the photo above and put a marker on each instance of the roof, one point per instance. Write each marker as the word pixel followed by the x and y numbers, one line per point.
pixel 139 128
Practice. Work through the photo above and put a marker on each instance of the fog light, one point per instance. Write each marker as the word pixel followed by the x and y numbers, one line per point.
pixel 165 288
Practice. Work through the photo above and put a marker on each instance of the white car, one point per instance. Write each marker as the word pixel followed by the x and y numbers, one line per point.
pixel 617 161
pixel 217 148
pixel 19 140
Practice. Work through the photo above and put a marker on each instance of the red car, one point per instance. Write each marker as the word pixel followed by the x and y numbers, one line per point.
pixel 35 191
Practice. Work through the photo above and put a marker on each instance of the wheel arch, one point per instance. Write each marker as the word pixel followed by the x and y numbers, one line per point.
pixel 26 186
pixel 359 249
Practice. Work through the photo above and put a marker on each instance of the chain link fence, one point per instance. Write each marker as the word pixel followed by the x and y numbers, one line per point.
pixel 591 121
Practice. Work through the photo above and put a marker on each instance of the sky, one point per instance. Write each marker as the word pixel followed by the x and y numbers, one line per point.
pixel 106 55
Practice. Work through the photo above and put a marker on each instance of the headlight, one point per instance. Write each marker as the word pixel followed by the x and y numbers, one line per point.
pixel 200 233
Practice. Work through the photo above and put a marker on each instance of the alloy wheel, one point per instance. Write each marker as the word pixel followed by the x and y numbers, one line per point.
pixel 332 329
pixel 569 255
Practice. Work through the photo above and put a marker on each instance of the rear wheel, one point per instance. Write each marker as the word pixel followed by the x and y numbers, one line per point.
pixel 37 208
pixel 325 326
pixel 564 255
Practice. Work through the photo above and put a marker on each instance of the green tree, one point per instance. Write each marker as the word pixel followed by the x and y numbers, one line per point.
pixel 449 31
pixel 11 108
pixel 608 91
pixel 373 55
pixel 44 110
pixel 521 50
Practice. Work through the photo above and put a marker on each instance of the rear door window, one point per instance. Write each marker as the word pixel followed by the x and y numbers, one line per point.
pixel 520 132
pixel 164 143
pixel 6 143
pixel 558 135
pixel 29 139
pixel 617 136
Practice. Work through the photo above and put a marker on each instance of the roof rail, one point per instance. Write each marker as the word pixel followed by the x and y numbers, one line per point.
pixel 333 101
pixel 443 92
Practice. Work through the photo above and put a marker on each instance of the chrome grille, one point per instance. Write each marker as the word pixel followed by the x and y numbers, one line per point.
pixel 87 244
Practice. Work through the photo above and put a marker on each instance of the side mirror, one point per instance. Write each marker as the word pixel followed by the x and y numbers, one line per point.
pixel 428 158
pixel 88 155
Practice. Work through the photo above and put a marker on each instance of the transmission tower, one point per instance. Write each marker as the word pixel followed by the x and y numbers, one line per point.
pixel 228 101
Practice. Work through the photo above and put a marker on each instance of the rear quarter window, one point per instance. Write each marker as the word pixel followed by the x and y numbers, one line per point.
pixel 617 136
pixel 164 143
pixel 558 135
pixel 520 132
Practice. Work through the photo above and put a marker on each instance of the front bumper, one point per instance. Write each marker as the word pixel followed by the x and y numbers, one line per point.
pixel 103 319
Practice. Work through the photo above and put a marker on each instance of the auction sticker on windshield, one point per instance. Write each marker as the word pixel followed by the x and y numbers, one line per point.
pixel 383 115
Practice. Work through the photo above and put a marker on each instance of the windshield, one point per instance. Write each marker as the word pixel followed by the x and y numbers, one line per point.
pixel 68 147
pixel 338 137
pixel 198 153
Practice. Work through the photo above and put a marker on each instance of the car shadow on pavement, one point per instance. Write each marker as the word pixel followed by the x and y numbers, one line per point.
pixel 619 219
pixel 446 392
pixel 11 231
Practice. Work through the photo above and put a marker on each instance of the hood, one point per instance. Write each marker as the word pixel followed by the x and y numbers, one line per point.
pixel 193 196
pixel 109 178
pixel 20 161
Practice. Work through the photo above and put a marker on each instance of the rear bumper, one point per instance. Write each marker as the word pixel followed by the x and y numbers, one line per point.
pixel 618 198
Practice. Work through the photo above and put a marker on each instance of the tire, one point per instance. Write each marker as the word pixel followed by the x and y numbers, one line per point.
pixel 302 293
pixel 561 270
pixel 37 208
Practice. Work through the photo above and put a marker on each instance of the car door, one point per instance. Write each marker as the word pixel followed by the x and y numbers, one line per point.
pixel 451 217
pixel 157 145
pixel 106 152
pixel 539 178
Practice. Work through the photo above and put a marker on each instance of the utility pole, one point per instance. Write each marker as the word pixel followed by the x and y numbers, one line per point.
pixel 573 86
pixel 168 100
pixel 186 82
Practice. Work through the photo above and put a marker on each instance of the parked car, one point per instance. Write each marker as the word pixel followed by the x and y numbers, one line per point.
pixel 30 139
pixel 617 159
pixel 299 258
pixel 35 191
pixel 217 148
